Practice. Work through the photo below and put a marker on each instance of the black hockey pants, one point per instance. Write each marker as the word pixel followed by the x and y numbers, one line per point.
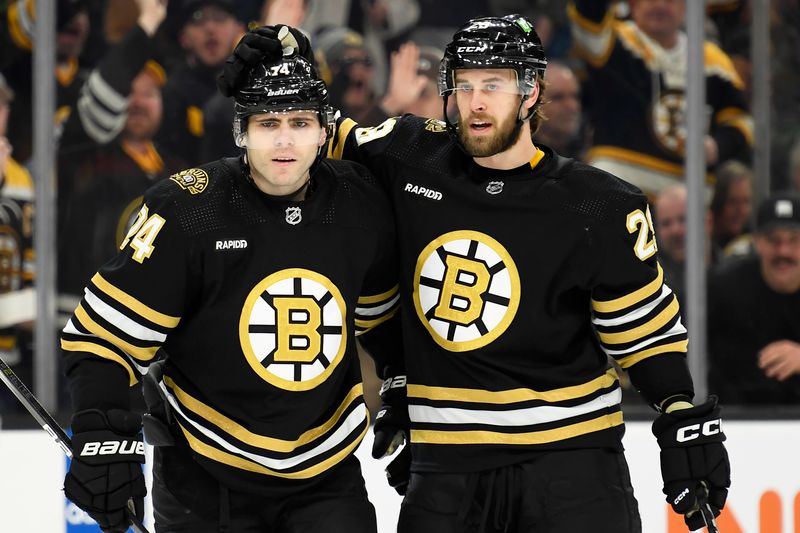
pixel 337 504
pixel 575 491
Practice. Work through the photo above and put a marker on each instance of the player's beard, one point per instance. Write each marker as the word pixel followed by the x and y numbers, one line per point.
pixel 507 135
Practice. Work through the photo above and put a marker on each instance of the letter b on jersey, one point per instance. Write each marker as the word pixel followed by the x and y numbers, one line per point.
pixel 298 320
pixel 464 284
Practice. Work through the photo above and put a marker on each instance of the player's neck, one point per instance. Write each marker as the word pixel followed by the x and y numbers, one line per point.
pixel 517 155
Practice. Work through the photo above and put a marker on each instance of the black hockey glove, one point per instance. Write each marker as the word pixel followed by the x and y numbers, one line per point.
pixel 106 468
pixel 391 429
pixel 266 43
pixel 694 462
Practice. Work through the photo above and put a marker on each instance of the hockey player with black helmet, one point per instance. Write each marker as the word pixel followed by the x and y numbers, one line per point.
pixel 236 298
pixel 522 272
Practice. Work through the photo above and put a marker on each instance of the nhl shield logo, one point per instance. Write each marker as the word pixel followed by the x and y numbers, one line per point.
pixel 293 215
pixel 494 187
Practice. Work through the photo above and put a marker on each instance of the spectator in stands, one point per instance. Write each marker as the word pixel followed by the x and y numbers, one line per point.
pixel 209 31
pixel 377 21
pixel 637 73
pixel 670 224
pixel 16 251
pixel 17 25
pixel 754 313
pixel 413 82
pixel 107 158
pixel 346 66
pixel 563 130
pixel 115 176
pixel 731 208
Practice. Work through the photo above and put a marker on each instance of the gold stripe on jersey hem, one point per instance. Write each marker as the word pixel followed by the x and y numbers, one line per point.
pixel 215 454
pixel 512 396
pixel 623 302
pixel 630 360
pixel 425 436
pixel 639 332
pixel 242 434
pixel 135 305
pixel 142 354
pixel 388 295
pixel 100 351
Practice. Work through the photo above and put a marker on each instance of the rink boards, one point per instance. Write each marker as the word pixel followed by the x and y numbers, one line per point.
pixel 765 497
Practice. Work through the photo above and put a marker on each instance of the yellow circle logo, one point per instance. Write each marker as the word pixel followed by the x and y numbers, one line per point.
pixel 292 329
pixel 466 290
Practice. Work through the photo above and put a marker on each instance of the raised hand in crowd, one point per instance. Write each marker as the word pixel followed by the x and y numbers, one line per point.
pixel 405 82
pixel 780 359
pixel 151 14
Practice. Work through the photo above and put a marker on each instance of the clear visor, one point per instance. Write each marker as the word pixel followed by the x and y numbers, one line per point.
pixel 472 91
pixel 279 129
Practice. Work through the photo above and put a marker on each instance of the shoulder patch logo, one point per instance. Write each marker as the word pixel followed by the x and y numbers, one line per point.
pixel 435 126
pixel 194 180
pixel 293 215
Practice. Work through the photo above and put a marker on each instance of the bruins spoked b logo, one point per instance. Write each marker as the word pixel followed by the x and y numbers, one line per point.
pixel 466 290
pixel 292 329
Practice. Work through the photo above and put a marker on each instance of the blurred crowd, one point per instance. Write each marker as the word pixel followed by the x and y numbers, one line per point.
pixel 136 101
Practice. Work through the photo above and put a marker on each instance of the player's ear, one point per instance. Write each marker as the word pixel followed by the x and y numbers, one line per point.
pixel 323 136
pixel 532 98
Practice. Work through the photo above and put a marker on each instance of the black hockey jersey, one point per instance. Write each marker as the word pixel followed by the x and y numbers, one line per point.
pixel 637 91
pixel 256 302
pixel 515 287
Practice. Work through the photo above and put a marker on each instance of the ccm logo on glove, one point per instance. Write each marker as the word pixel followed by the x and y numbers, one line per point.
pixel 112 447
pixel 693 431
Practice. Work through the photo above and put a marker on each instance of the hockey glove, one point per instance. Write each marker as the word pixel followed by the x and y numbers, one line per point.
pixel 106 468
pixel 391 430
pixel 260 44
pixel 694 462
pixel 264 44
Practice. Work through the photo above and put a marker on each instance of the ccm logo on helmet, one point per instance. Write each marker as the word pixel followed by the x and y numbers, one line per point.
pixel 471 49
pixel 693 431
pixel 113 447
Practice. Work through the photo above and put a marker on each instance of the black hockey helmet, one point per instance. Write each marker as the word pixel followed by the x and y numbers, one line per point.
pixel 291 84
pixel 508 42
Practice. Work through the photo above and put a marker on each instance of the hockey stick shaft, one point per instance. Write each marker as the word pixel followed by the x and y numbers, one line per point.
pixel 708 517
pixel 48 423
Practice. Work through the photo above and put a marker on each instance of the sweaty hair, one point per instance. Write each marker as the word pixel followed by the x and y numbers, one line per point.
pixel 537 116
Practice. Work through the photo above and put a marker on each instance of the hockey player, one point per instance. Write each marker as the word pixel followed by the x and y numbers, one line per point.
pixel 250 278
pixel 521 273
